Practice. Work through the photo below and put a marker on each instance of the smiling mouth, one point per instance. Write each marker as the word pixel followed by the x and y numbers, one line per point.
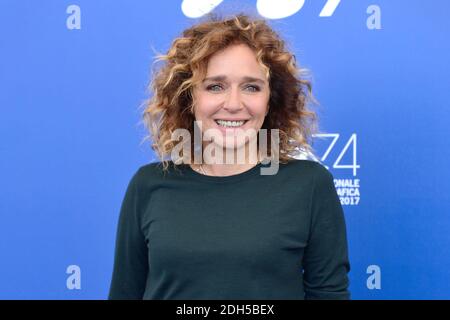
pixel 230 124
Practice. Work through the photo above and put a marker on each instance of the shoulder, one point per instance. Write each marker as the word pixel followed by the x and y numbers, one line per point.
pixel 150 169
pixel 152 173
pixel 313 172
pixel 314 168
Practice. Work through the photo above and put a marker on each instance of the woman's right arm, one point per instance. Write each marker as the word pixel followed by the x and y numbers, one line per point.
pixel 131 253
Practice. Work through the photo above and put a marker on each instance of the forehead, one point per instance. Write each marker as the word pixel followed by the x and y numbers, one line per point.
pixel 235 61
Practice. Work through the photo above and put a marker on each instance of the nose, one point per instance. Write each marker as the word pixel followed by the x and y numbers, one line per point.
pixel 233 101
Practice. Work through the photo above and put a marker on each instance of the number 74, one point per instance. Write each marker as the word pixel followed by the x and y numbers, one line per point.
pixel 336 164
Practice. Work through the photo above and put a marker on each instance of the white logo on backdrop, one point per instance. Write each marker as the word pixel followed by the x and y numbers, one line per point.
pixel 270 9
pixel 278 9
pixel 347 188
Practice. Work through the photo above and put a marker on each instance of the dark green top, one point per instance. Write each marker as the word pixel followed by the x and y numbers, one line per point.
pixel 185 235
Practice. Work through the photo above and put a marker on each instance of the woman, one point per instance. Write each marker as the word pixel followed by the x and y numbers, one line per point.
pixel 219 229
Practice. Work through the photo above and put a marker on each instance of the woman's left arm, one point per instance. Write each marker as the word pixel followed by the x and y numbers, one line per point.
pixel 325 260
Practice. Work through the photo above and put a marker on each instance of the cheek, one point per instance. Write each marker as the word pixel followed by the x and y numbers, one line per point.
pixel 259 108
pixel 204 108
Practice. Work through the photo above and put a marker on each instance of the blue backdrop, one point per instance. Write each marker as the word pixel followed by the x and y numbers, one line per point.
pixel 73 74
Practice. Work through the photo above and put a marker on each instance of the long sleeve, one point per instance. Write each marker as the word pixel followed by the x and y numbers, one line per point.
pixel 325 260
pixel 131 254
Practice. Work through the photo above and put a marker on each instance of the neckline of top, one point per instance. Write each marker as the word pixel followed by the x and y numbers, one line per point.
pixel 253 171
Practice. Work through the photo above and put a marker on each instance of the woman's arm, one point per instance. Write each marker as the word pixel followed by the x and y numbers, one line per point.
pixel 325 260
pixel 131 253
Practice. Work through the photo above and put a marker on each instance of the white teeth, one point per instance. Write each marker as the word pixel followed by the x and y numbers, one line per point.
pixel 224 123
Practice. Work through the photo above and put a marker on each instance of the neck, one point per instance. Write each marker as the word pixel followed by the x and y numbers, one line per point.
pixel 222 168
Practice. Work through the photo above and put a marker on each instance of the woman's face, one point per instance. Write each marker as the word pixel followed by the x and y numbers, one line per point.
pixel 235 88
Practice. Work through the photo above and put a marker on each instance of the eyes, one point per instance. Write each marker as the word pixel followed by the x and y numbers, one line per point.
pixel 217 87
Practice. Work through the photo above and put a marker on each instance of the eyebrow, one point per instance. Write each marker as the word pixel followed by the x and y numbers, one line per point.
pixel 245 79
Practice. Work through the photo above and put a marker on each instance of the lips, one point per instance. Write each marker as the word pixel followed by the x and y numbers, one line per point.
pixel 230 119
pixel 230 123
pixel 225 129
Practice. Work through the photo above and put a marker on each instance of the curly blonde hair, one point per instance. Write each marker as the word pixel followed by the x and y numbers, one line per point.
pixel 172 103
